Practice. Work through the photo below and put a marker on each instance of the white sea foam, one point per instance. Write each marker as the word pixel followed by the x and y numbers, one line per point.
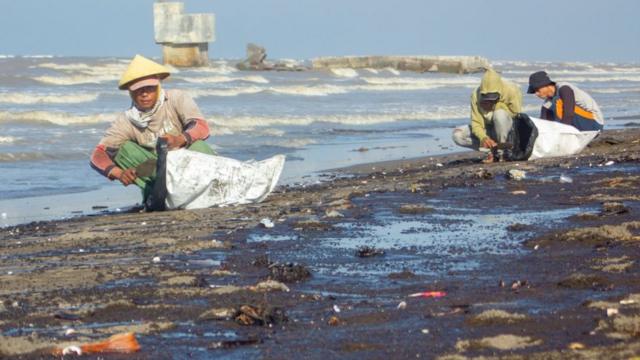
pixel 57 118
pixel 615 90
pixel 29 98
pixel 196 93
pixel 217 67
pixel 15 157
pixel 585 78
pixel 44 56
pixel 75 79
pixel 225 79
pixel 248 123
pixel 292 143
pixel 9 139
pixel 315 90
pixel 82 73
pixel 344 72
pixel 392 71
pixel 371 70
pixel 424 82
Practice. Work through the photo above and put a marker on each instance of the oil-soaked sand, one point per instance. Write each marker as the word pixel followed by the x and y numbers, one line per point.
pixel 538 268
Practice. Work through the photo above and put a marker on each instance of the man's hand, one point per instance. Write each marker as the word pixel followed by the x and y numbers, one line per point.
pixel 489 143
pixel 126 177
pixel 175 141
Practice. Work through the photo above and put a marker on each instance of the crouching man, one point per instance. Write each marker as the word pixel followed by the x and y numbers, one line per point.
pixel 566 103
pixel 494 104
pixel 155 113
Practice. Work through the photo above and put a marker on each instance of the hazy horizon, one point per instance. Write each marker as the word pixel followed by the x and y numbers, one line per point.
pixel 496 29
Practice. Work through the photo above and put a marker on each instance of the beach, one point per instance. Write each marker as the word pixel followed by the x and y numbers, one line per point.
pixel 54 110
pixel 423 257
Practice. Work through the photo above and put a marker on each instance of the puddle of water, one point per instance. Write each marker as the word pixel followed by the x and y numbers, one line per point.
pixel 449 239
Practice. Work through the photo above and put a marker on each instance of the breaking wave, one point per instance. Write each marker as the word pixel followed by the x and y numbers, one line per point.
pixel 81 73
pixel 56 118
pixel 225 79
pixel 423 82
pixel 8 139
pixel 372 84
pixel 234 124
pixel 75 79
pixel 24 156
pixel 28 98
pixel 196 93
pixel 615 90
pixel 344 72
pixel 217 67
pixel 301 90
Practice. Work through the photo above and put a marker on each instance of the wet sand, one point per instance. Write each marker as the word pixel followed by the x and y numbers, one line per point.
pixel 544 267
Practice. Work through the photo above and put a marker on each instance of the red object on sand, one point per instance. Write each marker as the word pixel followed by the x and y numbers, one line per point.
pixel 119 343
pixel 429 294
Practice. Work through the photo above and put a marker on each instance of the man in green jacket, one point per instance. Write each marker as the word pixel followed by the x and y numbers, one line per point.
pixel 494 104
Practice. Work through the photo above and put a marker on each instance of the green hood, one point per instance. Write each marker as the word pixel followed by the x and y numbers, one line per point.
pixel 491 83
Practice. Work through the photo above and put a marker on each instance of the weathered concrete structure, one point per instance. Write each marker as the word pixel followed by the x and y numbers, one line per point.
pixel 184 37
pixel 448 64
pixel 257 61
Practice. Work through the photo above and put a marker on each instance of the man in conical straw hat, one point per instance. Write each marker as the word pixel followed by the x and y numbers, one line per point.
pixel 155 113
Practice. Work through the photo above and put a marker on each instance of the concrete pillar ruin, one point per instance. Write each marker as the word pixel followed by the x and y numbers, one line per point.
pixel 184 37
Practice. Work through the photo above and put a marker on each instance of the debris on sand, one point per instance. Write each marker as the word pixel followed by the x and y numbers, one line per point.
pixel 69 316
pixel 333 214
pixel 334 321
pixel 500 342
pixel 613 208
pixel 483 174
pixel 576 346
pixel 267 223
pixel 289 273
pixel 564 179
pixel 493 317
pixel 368 251
pixel 120 343
pixel 229 344
pixel 219 314
pixel 261 316
pixel 269 285
pixel 414 209
pixel 429 294
pixel 516 174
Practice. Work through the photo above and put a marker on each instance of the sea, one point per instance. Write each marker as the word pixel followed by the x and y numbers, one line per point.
pixel 54 110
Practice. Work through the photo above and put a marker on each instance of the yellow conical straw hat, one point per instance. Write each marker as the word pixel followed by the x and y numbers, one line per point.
pixel 141 67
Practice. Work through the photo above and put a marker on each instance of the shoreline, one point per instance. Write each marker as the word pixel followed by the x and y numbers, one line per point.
pixel 529 269
pixel 317 162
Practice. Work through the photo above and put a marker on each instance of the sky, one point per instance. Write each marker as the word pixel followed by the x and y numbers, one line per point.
pixel 542 30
